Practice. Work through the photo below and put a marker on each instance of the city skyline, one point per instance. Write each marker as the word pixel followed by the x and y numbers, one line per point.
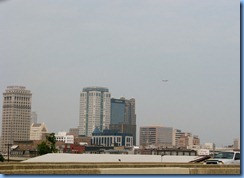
pixel 57 48
pixel 91 92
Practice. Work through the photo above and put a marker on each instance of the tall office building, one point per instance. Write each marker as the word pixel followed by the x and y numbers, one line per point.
pixel 117 111
pixel 156 135
pixel 123 117
pixel 16 115
pixel 94 110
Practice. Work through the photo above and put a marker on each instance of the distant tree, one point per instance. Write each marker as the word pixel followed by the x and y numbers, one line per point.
pixel 43 148
pixel 47 146
pixel 52 141
pixel 1 158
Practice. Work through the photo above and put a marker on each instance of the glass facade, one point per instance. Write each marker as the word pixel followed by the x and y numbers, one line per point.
pixel 117 111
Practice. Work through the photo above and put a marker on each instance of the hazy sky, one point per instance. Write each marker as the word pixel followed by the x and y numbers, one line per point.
pixel 56 48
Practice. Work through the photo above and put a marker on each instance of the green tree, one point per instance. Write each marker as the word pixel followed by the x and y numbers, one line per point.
pixel 47 146
pixel 43 148
pixel 52 141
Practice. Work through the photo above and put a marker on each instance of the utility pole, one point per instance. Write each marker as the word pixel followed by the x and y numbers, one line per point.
pixel 9 144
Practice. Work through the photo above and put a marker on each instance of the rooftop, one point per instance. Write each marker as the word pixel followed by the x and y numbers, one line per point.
pixel 95 88
pixel 67 157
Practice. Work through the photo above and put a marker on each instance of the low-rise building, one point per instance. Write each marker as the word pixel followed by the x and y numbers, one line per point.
pixel 63 137
pixel 82 140
pixel 111 138
pixel 37 130
pixel 73 148
pixel 24 148
pixel 209 146
pixel 186 140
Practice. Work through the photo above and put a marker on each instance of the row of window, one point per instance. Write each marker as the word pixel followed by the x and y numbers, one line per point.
pixel 15 106
pixel 8 98
pixel 17 129
pixel 18 102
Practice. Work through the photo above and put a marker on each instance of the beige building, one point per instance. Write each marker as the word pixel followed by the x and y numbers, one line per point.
pixel 16 115
pixel 94 109
pixel 236 144
pixel 176 135
pixel 37 130
pixel 74 131
pixel 188 141
pixel 184 141
pixel 156 135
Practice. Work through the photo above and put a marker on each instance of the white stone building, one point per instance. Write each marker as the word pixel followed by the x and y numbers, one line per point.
pixel 16 115
pixel 63 137
pixel 37 130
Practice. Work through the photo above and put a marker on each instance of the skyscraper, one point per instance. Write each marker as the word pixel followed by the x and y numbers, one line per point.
pixel 123 117
pixel 16 115
pixel 94 110
pixel 117 111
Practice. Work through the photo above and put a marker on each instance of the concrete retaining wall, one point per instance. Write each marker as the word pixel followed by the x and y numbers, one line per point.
pixel 116 168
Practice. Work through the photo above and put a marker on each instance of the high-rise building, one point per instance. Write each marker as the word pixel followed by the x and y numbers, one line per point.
pixel 123 117
pixel 117 111
pixel 33 118
pixel 156 135
pixel 94 110
pixel 130 107
pixel 16 115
